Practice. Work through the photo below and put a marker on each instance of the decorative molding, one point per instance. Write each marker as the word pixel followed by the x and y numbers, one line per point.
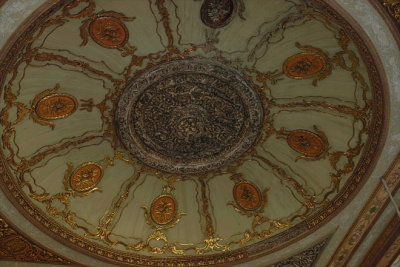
pixel 306 258
pixel 367 217
pixel 393 7
pixel 227 258
pixel 15 246
pixel 386 247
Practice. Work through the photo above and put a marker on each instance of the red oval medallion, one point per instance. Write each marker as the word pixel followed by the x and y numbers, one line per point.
pixel 56 106
pixel 86 177
pixel 247 196
pixel 163 209
pixel 306 143
pixel 108 32
pixel 303 65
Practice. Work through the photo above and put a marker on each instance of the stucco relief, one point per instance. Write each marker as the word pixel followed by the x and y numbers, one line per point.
pixel 13 13
pixel 11 16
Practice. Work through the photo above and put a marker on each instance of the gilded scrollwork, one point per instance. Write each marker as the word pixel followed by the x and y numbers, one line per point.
pixel 163 212
pixel 393 7
pixel 313 63
pixel 49 105
pixel 239 120
pixel 83 180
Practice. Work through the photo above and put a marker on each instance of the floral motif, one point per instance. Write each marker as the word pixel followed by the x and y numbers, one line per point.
pixel 216 14
pixel 163 210
pixel 306 143
pixel 56 106
pixel 304 65
pixel 108 32
pixel 86 177
pixel 247 196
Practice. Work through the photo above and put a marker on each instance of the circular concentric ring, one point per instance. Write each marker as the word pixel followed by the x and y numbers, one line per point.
pixel 188 116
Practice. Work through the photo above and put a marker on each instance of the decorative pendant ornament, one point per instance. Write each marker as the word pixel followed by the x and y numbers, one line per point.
pixel 163 211
pixel 304 65
pixel 86 177
pixel 247 196
pixel 217 13
pixel 306 143
pixel 56 106
pixel 108 32
pixel 49 105
pixel 106 28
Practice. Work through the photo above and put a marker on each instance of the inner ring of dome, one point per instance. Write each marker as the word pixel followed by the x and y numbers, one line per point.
pixel 188 116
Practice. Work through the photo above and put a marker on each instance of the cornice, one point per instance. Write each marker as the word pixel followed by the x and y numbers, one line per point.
pixel 386 247
pixel 16 246
pixel 367 217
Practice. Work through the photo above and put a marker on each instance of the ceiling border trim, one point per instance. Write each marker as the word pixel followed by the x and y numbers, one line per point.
pixel 25 249
pixel 386 247
pixel 393 23
pixel 367 217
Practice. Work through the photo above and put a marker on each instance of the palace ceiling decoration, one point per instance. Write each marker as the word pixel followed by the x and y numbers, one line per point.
pixel 187 131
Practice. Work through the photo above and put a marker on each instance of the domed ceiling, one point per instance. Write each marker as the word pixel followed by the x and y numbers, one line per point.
pixel 184 131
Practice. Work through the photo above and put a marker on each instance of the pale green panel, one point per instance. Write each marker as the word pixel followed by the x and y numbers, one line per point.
pixel 68 37
pixel 364 72
pixel 221 192
pixel 280 201
pixel 132 222
pixel 235 36
pixel 338 85
pixel 305 35
pixel 313 175
pixel 73 83
pixel 93 206
pixel 193 29
pixel 76 124
pixel 50 177
pixel 31 136
pixel 188 229
pixel 142 31
pixel 337 129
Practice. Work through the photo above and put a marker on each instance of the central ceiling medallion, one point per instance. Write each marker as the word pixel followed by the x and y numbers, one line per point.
pixel 188 116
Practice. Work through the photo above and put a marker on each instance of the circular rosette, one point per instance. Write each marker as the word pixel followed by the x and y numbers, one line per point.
pixel 247 196
pixel 163 210
pixel 188 116
pixel 216 13
pixel 306 143
pixel 108 32
pixel 304 65
pixel 86 177
pixel 56 106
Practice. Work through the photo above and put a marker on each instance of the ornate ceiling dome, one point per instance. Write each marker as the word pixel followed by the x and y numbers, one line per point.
pixel 187 132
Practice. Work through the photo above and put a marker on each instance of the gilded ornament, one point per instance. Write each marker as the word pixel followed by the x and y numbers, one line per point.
pixel 86 177
pixel 185 128
pixel 304 65
pixel 216 13
pixel 106 28
pixel 393 7
pixel 108 32
pixel 15 246
pixel 247 196
pixel 56 106
pixel 306 143
pixel 163 209
pixel 188 116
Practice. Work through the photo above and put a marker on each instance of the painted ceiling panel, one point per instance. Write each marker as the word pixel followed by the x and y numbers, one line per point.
pixel 188 132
